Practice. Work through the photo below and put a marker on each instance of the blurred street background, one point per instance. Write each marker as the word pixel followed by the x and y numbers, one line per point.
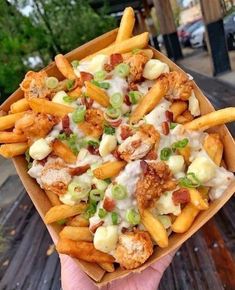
pixel 197 34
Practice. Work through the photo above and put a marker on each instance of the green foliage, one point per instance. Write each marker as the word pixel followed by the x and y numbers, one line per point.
pixel 53 26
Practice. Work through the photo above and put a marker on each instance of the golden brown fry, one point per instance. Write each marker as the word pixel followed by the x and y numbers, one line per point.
pixel 181 120
pixel 155 228
pixel 83 250
pixel 97 94
pixel 212 119
pixel 76 234
pixel 147 52
pixel 64 67
pixel 185 152
pixel 138 41
pixel 19 106
pixel 184 221
pixel 63 151
pixel 197 200
pixel 150 100
pixel 10 137
pixel 54 198
pixel 108 267
pixel 8 121
pixel 214 147
pixel 60 212
pixel 12 150
pixel 109 169
pixel 48 107
pixel 76 93
pixel 78 221
pixel 177 108
pixel 126 25
pixel 187 115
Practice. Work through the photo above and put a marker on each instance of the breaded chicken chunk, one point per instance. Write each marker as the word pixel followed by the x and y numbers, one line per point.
pixel 133 249
pixel 136 62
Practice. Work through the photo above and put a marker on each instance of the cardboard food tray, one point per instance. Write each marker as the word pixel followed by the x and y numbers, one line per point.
pixel 42 204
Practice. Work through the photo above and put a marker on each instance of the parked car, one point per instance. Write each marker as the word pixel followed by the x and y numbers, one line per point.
pixel 185 39
pixel 196 39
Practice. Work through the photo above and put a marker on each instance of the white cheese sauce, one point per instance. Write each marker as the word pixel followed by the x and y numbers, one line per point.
pixel 117 85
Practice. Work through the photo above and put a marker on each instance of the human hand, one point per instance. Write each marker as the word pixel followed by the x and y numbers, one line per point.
pixel 73 278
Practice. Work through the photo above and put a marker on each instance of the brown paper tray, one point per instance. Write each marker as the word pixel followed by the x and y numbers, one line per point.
pixel 42 204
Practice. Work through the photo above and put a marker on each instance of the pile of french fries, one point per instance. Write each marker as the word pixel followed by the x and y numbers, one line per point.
pixel 75 237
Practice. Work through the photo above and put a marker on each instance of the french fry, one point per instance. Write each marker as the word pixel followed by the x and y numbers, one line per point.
pixel 181 120
pixel 147 52
pixel 184 221
pixel 126 26
pixel 64 67
pixel 48 107
pixel 214 147
pixel 155 228
pixel 177 108
pixel 63 211
pixel 212 119
pixel 78 221
pixel 76 234
pixel 138 41
pixel 187 115
pixel 54 198
pixel 76 93
pixel 197 200
pixel 12 150
pixel 83 250
pixel 150 100
pixel 10 137
pixel 8 121
pixel 108 267
pixel 97 94
pixel 109 169
pixel 19 106
pixel 185 152
pixel 63 151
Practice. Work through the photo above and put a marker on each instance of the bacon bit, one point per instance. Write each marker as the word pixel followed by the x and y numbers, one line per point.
pixel 93 150
pixel 109 204
pixel 127 100
pixel 126 132
pixel 108 67
pixel 151 155
pixel 115 59
pixel 169 116
pixel 124 230
pixel 65 125
pixel 87 102
pixel 116 154
pixel 165 128
pixel 181 196
pixel 115 123
pixel 144 166
pixel 135 144
pixel 85 76
pixel 95 227
pixel 78 170
pixel 133 86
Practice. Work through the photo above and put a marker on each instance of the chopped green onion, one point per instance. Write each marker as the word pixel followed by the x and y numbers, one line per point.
pixel 62 222
pixel 109 130
pixel 72 143
pixel 100 75
pixel 82 143
pixel 173 125
pixel 189 181
pixel 113 112
pixel 91 209
pixel 102 213
pixel 132 216
pixel 68 99
pixel 79 190
pixel 75 63
pixel 119 192
pixel 70 84
pixel 114 217
pixel 122 70
pixel 116 100
pixel 52 82
pixel 96 194
pixel 62 136
pixel 108 180
pixel 93 142
pixel 102 85
pixel 79 115
pixel 134 96
pixel 165 153
pixel 28 159
pixel 180 144
pixel 135 50
pixel 101 184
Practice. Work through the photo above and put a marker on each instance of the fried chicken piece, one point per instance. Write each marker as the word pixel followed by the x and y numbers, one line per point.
pixel 138 145
pixel 180 87
pixel 55 176
pixel 34 125
pixel 93 124
pixel 34 85
pixel 136 63
pixel 155 180
pixel 133 249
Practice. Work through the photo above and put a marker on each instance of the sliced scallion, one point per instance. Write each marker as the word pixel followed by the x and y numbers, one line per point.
pixel 119 192
pixel 96 194
pixel 122 70
pixel 116 100
pixel 132 216
pixel 79 115
pixel 52 82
